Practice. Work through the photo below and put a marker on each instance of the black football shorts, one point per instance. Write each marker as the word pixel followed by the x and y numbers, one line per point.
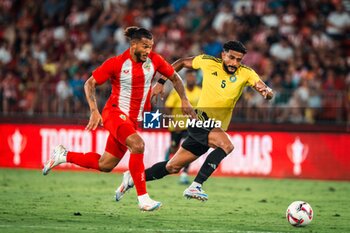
pixel 197 139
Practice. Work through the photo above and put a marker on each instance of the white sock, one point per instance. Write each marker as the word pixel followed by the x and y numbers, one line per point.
pixel 143 198
pixel 195 184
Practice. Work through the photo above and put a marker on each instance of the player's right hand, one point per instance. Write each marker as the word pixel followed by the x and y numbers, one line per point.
pixel 188 110
pixel 94 121
pixel 157 90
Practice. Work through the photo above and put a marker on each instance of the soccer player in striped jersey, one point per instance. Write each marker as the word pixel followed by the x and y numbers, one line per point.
pixel 223 83
pixel 131 74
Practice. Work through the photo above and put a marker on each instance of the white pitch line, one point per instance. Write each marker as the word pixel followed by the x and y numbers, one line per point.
pixel 212 231
pixel 136 229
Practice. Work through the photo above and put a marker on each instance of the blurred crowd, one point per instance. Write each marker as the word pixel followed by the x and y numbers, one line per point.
pixel 48 48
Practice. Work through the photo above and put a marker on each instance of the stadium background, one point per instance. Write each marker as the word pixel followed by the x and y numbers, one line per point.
pixel 48 48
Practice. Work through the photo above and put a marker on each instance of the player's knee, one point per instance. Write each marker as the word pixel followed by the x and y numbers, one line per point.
pixel 105 168
pixel 227 147
pixel 173 168
pixel 138 147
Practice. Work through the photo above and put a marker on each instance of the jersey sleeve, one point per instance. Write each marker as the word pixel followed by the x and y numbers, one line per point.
pixel 252 78
pixel 197 62
pixel 102 73
pixel 163 67
pixel 171 100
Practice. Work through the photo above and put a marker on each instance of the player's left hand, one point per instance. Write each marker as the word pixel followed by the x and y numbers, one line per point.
pixel 157 90
pixel 94 121
pixel 264 90
pixel 187 109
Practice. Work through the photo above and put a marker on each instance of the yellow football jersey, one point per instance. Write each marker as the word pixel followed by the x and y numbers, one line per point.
pixel 220 90
pixel 174 101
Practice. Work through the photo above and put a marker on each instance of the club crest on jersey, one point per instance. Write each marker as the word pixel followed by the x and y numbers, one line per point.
pixel 122 116
pixel 233 78
pixel 147 64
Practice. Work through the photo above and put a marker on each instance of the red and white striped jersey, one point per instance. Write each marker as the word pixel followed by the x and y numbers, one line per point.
pixel 131 81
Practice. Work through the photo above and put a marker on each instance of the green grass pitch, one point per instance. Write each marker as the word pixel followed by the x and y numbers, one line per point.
pixel 83 202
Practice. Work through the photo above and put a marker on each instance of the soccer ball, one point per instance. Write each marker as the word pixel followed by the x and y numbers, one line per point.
pixel 299 213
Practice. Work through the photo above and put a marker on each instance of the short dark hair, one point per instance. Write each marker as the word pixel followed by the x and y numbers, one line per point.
pixel 235 46
pixel 137 33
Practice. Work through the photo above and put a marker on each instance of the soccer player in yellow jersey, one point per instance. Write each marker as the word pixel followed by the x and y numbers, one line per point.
pixel 223 83
pixel 173 105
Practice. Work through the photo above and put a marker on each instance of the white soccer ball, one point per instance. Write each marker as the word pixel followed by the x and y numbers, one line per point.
pixel 299 213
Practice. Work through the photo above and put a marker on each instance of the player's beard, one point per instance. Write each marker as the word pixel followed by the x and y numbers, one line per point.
pixel 139 56
pixel 190 85
pixel 227 70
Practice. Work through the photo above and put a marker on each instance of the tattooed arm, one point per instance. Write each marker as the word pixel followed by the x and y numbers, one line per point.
pixel 90 92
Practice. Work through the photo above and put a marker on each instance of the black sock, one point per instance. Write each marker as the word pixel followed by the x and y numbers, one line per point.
pixel 210 164
pixel 157 171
